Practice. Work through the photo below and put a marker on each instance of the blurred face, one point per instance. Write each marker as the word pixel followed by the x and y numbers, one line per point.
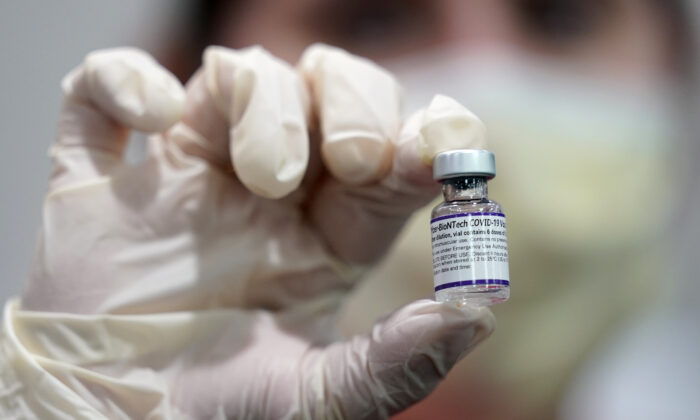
pixel 571 92
pixel 619 39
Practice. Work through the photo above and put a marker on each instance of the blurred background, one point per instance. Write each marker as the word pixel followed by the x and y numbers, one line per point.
pixel 591 108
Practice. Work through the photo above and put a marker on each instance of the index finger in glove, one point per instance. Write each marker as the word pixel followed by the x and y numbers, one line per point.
pixel 109 93
pixel 381 208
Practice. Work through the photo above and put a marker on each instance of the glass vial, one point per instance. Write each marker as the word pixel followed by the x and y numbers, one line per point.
pixel 468 232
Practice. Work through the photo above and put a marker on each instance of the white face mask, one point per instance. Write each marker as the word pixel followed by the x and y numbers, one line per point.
pixel 582 167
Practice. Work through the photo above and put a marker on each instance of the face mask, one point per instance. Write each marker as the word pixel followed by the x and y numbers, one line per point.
pixel 583 167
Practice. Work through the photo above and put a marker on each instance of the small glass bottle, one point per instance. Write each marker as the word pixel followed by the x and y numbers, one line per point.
pixel 468 232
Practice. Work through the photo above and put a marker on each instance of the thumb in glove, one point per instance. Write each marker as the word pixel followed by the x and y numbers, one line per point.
pixel 399 363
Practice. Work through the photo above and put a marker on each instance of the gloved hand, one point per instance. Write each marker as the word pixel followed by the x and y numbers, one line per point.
pixel 218 264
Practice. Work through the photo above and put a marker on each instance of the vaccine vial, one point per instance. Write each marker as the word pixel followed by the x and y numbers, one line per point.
pixel 468 232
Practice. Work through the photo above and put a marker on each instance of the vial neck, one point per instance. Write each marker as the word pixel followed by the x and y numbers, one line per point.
pixel 465 188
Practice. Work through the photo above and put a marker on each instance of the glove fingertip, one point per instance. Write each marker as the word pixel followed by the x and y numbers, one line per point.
pixel 131 87
pixel 448 125
pixel 273 172
pixel 357 158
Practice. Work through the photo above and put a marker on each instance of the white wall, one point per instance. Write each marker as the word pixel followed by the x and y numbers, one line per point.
pixel 40 41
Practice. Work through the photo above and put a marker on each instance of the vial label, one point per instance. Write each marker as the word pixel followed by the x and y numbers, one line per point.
pixel 470 249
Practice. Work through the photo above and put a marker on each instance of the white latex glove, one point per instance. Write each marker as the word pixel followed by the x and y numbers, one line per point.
pixel 219 263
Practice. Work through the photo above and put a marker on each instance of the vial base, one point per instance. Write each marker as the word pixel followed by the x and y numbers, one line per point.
pixel 474 295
